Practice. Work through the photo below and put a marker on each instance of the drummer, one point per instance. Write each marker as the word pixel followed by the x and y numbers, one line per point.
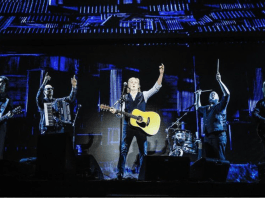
pixel 176 136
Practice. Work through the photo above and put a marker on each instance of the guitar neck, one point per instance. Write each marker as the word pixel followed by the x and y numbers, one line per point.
pixel 127 114
pixel 14 111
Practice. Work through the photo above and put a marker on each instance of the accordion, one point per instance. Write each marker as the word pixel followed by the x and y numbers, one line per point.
pixel 57 113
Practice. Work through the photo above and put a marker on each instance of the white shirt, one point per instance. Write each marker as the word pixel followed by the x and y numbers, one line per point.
pixel 146 94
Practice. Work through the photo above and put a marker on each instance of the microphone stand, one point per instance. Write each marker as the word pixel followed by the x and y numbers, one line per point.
pixel 121 119
pixel 177 122
pixel 120 101
pixel 73 125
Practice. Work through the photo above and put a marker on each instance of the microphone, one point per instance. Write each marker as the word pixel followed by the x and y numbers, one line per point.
pixel 124 86
pixel 79 106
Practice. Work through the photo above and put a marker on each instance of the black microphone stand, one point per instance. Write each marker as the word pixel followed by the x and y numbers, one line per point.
pixel 73 125
pixel 121 101
pixel 177 121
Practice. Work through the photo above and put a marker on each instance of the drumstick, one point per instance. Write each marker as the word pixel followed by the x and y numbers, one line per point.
pixel 204 90
pixel 217 66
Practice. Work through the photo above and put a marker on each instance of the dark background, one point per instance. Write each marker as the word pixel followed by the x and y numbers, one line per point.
pixel 241 68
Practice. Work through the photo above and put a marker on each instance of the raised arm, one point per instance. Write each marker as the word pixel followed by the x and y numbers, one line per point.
pixel 198 99
pixel 38 97
pixel 72 95
pixel 222 85
pixel 161 70
pixel 157 86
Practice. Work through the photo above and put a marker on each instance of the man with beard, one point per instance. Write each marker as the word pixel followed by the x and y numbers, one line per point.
pixel 259 115
pixel 47 90
pixel 214 121
pixel 5 106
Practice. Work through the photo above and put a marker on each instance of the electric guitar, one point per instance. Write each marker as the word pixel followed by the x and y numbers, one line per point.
pixel 148 122
pixel 17 110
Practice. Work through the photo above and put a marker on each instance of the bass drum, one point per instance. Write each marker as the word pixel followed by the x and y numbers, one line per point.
pixel 189 145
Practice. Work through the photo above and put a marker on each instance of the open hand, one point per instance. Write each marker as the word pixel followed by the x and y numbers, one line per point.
pixel 73 81
pixel 46 78
pixel 10 114
pixel 161 68
pixel 199 91
pixel 112 110
pixel 218 77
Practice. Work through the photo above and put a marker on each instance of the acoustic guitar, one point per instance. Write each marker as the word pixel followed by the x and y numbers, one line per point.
pixel 148 122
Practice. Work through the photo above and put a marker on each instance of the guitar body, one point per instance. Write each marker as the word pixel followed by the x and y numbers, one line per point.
pixel 150 124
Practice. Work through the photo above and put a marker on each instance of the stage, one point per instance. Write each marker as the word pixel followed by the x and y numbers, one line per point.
pixel 85 188
pixel 20 179
pixel 102 44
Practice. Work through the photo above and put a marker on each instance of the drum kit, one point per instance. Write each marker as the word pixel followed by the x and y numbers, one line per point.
pixel 180 140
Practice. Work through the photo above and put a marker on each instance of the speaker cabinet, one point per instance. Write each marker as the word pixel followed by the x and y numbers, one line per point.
pixel 87 167
pixel 12 170
pixel 164 168
pixel 55 157
pixel 208 169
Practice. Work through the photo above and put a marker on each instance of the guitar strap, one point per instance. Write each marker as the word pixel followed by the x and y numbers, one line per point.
pixel 3 107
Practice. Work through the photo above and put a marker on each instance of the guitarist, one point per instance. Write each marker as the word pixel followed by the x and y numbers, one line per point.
pixel 259 115
pixel 135 99
pixel 47 90
pixel 5 106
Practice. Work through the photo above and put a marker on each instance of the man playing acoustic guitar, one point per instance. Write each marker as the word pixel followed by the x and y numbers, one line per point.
pixel 135 99
pixel 259 115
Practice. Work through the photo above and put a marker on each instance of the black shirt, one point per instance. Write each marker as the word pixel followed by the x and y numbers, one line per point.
pixel 214 117
pixel 259 113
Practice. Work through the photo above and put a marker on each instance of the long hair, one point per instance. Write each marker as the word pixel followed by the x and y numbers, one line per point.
pixel 139 89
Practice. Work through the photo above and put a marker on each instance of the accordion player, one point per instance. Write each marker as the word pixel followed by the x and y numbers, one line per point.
pixel 57 114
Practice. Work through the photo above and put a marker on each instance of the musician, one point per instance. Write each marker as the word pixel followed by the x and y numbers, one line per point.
pixel 214 121
pixel 135 99
pixel 47 91
pixel 5 106
pixel 259 115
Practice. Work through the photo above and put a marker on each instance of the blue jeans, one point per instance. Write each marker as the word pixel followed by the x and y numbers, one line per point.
pixel 127 135
pixel 214 145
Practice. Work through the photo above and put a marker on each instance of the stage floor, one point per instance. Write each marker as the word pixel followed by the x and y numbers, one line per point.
pixel 20 180
pixel 85 188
